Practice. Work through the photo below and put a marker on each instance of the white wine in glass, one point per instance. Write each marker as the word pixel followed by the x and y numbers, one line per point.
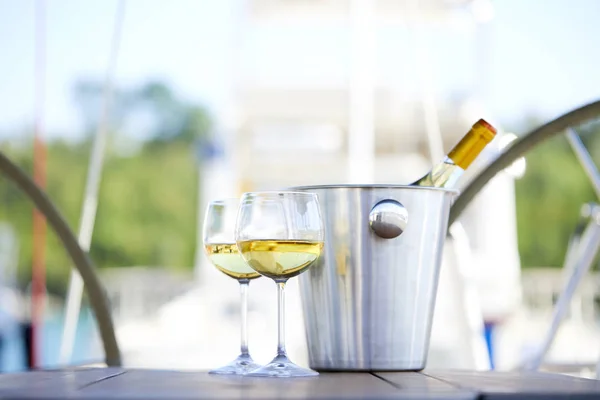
pixel 280 259
pixel 227 259
pixel 280 235
pixel 222 251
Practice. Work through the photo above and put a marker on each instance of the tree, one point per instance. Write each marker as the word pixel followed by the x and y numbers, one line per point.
pixel 147 201
pixel 167 117
pixel 549 198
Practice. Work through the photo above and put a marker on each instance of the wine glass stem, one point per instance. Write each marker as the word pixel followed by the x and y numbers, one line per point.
pixel 244 283
pixel 281 319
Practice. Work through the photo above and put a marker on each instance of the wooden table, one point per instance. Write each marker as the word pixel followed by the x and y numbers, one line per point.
pixel 118 383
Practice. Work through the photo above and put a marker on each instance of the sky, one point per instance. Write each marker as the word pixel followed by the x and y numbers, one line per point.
pixel 544 55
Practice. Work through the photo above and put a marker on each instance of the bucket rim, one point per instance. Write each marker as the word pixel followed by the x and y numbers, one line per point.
pixel 374 186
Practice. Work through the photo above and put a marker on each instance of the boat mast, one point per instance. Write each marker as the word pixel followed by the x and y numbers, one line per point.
pixel 90 199
pixel 38 273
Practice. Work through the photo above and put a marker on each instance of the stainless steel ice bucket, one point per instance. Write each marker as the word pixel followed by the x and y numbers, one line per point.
pixel 368 301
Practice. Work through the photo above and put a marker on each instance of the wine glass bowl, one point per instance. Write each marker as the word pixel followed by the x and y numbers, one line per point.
pixel 280 235
pixel 222 251
pixel 226 258
pixel 280 260
pixel 219 239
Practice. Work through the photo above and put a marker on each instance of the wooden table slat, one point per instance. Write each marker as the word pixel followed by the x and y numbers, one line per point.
pixel 419 384
pixel 521 384
pixel 200 385
pixel 51 384
pixel 117 383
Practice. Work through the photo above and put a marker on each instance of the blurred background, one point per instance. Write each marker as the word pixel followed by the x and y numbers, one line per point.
pixel 200 99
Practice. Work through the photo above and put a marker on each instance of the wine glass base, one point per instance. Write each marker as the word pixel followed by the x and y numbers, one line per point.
pixel 282 367
pixel 240 366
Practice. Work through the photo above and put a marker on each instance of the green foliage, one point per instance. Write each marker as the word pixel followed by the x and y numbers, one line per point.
pixel 549 199
pixel 171 117
pixel 146 213
pixel 147 201
pixel 147 209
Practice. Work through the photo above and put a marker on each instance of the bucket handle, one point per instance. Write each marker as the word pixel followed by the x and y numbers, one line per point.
pixel 388 219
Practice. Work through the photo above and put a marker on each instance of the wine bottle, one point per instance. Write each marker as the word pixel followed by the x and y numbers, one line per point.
pixel 446 173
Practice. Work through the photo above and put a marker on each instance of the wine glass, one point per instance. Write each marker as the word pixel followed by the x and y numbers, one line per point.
pixel 222 251
pixel 280 235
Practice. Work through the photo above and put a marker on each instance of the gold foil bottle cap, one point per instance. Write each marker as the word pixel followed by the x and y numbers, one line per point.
pixel 472 144
pixel 485 129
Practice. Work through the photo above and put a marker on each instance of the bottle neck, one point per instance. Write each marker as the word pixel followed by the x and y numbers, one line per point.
pixel 447 172
pixel 444 174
